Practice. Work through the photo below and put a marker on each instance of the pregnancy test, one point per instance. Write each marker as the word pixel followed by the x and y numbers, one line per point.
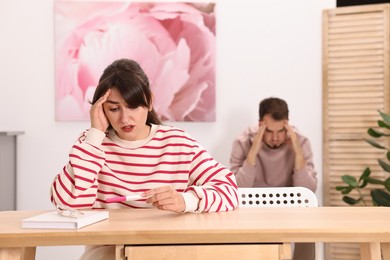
pixel 125 198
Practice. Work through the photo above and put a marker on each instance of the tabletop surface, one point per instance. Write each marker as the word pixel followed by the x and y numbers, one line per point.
pixel 244 225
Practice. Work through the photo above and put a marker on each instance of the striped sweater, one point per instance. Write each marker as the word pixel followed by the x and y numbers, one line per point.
pixel 102 166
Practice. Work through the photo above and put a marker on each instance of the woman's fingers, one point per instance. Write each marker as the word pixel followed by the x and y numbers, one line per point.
pixel 166 198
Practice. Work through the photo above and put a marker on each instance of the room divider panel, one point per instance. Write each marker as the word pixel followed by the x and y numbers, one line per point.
pixel 355 87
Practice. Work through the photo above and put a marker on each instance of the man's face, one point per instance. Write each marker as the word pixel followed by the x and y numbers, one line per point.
pixel 275 133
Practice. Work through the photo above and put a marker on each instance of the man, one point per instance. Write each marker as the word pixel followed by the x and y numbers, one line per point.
pixel 274 154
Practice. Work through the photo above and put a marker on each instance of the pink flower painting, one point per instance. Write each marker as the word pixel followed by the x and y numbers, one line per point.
pixel 173 42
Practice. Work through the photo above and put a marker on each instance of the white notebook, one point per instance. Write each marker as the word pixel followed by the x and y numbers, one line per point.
pixel 54 220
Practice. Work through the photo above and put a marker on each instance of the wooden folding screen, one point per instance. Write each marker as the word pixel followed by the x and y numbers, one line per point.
pixel 355 87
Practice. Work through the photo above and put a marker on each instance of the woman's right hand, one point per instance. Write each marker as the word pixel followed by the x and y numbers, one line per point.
pixel 166 198
pixel 99 119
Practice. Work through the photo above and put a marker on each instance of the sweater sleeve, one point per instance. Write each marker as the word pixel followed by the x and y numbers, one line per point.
pixel 76 185
pixel 307 176
pixel 244 173
pixel 212 184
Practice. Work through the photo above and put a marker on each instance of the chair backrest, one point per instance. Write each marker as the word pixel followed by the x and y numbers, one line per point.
pixel 277 197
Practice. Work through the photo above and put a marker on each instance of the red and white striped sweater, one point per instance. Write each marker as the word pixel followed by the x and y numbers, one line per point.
pixel 102 165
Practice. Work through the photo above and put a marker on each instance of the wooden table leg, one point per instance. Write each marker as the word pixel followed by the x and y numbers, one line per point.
pixel 285 251
pixel 119 252
pixel 370 251
pixel 385 251
pixel 28 253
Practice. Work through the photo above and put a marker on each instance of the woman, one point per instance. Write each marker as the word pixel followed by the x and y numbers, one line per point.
pixel 128 151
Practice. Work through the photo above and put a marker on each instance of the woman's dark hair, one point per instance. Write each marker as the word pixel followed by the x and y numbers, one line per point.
pixel 275 107
pixel 132 83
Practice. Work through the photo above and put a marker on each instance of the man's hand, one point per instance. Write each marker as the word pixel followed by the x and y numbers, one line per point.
pixel 166 198
pixel 299 159
pixel 256 145
pixel 98 117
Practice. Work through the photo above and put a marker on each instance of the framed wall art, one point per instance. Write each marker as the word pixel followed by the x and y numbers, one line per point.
pixel 175 43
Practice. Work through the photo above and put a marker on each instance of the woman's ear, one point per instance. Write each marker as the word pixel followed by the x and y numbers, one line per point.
pixel 151 103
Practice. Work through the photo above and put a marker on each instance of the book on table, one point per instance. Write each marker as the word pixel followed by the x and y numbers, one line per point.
pixel 56 220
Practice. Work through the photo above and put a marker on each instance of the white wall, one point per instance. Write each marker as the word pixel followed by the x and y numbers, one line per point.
pixel 264 48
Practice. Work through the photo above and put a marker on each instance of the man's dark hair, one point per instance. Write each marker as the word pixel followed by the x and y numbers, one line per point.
pixel 275 107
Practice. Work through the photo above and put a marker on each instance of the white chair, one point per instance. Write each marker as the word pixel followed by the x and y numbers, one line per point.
pixel 278 197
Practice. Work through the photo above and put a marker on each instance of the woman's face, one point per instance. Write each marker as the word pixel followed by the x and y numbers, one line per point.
pixel 128 123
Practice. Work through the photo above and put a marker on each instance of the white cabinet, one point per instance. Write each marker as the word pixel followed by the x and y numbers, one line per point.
pixel 8 170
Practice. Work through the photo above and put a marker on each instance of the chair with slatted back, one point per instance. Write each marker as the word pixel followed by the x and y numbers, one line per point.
pixel 278 197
